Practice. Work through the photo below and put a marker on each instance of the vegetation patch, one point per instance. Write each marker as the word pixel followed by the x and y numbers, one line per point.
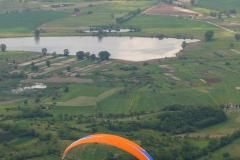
pixel 20 21
pixel 177 119
pixel 165 9
pixel 169 25
pixel 89 101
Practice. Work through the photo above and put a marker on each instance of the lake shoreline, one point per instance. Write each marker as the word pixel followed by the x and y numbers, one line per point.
pixel 135 49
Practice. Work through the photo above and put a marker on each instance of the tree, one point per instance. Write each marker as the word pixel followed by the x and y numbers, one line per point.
pixel 237 37
pixel 80 55
pixel 3 47
pixel 37 33
pixel 68 68
pixel 66 89
pixel 44 51
pixel 66 52
pixel 226 156
pixel 48 63
pixel 104 55
pixel 77 11
pixel 209 36
pixel 25 102
pixel 184 44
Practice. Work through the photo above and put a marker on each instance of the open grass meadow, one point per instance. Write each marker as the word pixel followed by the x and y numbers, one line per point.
pixel 220 5
pixel 226 128
pixel 169 25
pixel 96 15
pixel 26 22
pixel 230 151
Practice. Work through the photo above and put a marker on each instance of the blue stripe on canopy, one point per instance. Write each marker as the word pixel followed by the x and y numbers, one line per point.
pixel 147 155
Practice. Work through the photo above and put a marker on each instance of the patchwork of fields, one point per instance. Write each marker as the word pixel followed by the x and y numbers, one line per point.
pixel 85 95
pixel 63 22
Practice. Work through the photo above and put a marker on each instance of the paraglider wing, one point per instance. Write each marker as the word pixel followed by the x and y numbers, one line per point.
pixel 113 140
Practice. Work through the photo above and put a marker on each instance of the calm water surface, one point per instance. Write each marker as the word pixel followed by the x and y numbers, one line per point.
pixel 124 48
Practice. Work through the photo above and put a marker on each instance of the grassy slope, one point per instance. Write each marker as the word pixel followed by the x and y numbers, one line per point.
pixel 101 15
pixel 228 127
pixel 221 5
pixel 232 149
pixel 169 25
pixel 26 21
pixel 6 85
pixel 57 23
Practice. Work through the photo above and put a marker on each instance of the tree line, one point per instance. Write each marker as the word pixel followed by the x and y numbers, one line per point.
pixel 174 119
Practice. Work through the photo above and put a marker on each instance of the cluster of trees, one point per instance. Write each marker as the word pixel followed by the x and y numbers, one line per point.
pixel 161 147
pixel 81 55
pixel 69 117
pixel 215 144
pixel 172 148
pixel 226 13
pixel 169 147
pixel 33 113
pixel 33 152
pixel 103 55
pixel 45 143
pixel 68 133
pixel 179 119
pixel 128 16
pixel 37 149
pixel 17 75
pixel 175 119
pixel 10 131
pixel 209 35
pixel 128 67
pixel 66 52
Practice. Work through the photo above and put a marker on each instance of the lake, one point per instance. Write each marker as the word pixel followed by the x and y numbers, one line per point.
pixel 123 48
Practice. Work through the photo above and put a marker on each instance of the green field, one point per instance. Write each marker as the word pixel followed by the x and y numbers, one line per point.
pixel 220 5
pixel 230 150
pixel 19 23
pixel 169 25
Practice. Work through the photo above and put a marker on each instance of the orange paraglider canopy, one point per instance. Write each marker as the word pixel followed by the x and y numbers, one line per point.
pixel 113 140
